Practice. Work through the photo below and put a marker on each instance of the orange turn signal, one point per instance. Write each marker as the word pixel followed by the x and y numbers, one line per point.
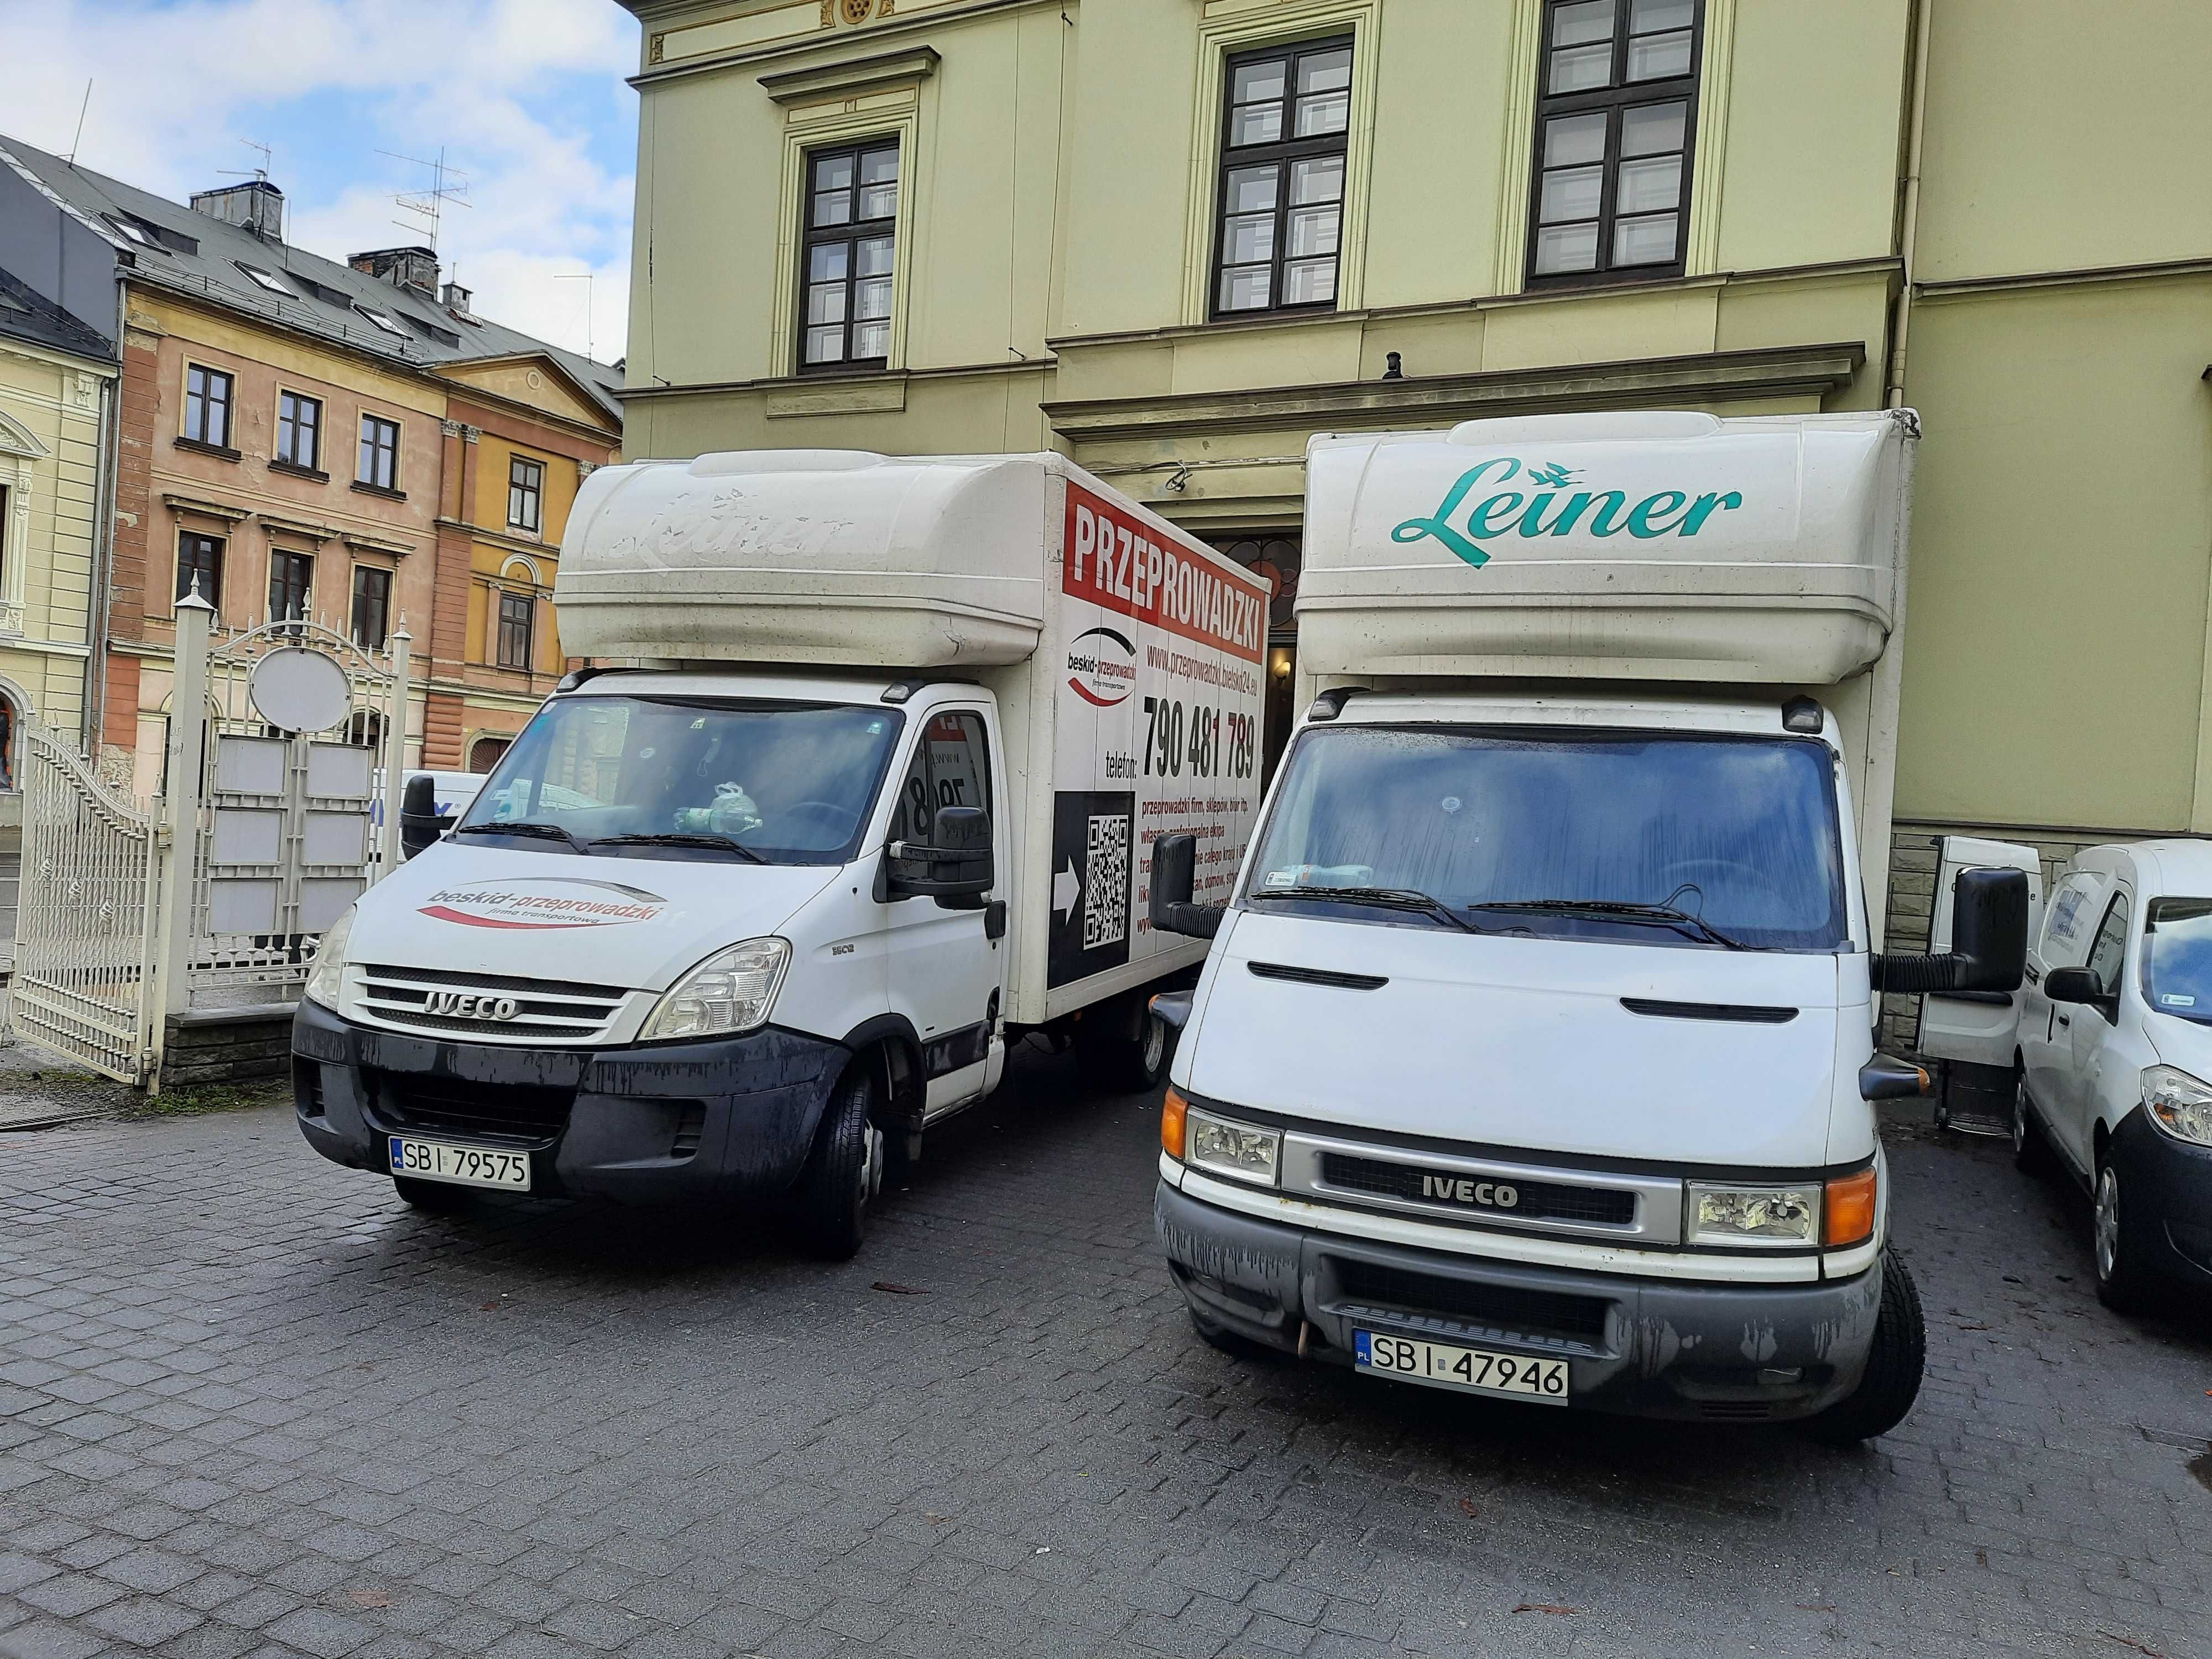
pixel 1171 1111
pixel 1847 1217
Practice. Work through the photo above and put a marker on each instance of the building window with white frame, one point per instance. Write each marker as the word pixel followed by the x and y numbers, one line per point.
pixel 1616 112
pixel 525 495
pixel 849 248
pixel 1280 214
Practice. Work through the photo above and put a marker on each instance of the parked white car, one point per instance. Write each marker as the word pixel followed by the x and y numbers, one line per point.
pixel 2115 1057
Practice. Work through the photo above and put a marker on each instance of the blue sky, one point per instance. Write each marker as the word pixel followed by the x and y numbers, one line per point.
pixel 525 96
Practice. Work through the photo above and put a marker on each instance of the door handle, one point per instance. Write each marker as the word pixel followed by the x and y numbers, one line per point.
pixel 2066 1019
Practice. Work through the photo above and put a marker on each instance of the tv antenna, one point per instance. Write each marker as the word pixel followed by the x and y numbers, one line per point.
pixel 449 186
pixel 81 109
pixel 589 279
pixel 268 159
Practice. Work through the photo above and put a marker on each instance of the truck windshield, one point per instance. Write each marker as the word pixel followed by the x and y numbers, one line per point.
pixel 2176 970
pixel 1711 842
pixel 691 777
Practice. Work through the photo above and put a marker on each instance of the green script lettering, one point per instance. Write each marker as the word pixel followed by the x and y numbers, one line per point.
pixel 1704 508
pixel 1438 523
pixel 1640 523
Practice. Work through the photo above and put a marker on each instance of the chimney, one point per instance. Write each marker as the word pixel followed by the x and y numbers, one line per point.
pixel 454 297
pixel 255 205
pixel 402 267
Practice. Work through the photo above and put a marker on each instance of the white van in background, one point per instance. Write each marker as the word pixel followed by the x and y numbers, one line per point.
pixel 1535 1054
pixel 867 805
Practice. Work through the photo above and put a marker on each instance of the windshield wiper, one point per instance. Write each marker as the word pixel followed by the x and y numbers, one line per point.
pixel 1663 915
pixel 548 831
pixel 1390 898
pixel 676 838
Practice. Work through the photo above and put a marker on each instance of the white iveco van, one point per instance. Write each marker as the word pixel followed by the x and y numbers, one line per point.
pixel 1533 1057
pixel 735 921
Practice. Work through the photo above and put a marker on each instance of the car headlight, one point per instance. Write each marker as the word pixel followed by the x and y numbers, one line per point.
pixel 2178 1103
pixel 1236 1150
pixel 1761 1218
pixel 326 978
pixel 730 992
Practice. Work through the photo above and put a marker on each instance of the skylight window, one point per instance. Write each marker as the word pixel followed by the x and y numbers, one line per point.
pixel 132 231
pixel 382 321
pixel 268 279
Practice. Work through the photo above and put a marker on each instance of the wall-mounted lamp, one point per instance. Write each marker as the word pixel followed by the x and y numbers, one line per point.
pixel 1394 367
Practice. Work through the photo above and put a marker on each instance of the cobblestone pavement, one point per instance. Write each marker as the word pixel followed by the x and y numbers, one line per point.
pixel 249 1404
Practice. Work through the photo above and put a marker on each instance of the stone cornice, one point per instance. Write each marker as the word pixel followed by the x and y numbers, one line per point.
pixel 1705 377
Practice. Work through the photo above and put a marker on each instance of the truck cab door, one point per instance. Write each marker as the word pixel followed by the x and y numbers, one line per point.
pixel 1980 1027
pixel 947 966
pixel 2089 1034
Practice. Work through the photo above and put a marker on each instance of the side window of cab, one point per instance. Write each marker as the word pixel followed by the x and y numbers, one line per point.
pixel 952 767
pixel 2109 955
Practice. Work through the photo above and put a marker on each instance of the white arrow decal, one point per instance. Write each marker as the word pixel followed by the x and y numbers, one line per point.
pixel 1067 891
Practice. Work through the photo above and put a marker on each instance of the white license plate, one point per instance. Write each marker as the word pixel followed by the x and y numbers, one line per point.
pixel 465 1166
pixel 1477 1370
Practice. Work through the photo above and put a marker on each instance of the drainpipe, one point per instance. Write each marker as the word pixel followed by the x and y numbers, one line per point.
pixel 91 722
pixel 1908 235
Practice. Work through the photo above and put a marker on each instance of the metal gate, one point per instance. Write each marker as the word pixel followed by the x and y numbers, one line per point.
pixel 85 940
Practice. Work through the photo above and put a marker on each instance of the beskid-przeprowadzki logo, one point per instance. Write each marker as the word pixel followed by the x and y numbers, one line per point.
pixel 1102 666
pixel 1550 507
pixel 543 902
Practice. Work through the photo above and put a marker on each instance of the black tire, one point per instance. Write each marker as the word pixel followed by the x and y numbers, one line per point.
pixel 2124 1282
pixel 830 1206
pixel 1892 1381
pixel 2031 1149
pixel 1132 1047
pixel 433 1197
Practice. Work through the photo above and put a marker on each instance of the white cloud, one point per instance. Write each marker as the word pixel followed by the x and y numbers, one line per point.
pixel 174 85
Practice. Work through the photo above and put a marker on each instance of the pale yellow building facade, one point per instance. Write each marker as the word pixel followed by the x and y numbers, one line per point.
pixel 1175 238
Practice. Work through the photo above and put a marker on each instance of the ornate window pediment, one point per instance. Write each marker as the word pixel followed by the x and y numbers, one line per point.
pixel 16 438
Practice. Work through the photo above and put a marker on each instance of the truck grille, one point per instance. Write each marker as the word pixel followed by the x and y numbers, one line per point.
pixel 1507 1310
pixel 546 1010
pixel 1536 1200
pixel 475 1111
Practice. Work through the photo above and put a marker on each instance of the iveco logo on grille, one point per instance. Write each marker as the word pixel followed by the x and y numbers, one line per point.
pixel 465 1005
pixel 1488 1194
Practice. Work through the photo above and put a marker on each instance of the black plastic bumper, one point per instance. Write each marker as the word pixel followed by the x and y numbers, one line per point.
pixel 1649 1348
pixel 672 1122
pixel 2167 1184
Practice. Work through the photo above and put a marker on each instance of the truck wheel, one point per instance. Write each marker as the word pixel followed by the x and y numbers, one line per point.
pixel 2122 1281
pixel 2030 1152
pixel 1147 1063
pixel 1892 1381
pixel 433 1197
pixel 843 1174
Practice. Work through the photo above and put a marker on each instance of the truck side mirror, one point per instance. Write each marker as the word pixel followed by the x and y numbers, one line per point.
pixel 955 867
pixel 1175 879
pixel 2079 985
pixel 420 826
pixel 1989 941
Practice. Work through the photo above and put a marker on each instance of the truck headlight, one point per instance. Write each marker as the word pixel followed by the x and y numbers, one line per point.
pixel 1768 1217
pixel 1236 1150
pixel 730 992
pixel 326 978
pixel 2178 1103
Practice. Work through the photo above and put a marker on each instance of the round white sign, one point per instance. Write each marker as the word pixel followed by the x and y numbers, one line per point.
pixel 297 689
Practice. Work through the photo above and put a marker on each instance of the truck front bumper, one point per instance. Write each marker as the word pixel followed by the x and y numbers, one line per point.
pixel 711 1121
pixel 1648 1347
pixel 2167 1184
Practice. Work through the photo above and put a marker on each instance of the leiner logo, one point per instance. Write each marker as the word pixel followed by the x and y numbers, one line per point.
pixel 1548 509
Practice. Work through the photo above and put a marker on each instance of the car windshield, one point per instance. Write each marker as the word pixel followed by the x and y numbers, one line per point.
pixel 1689 841
pixel 2176 959
pixel 691 777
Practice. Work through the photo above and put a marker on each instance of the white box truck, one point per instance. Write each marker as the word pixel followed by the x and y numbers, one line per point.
pixel 869 802
pixel 1534 1056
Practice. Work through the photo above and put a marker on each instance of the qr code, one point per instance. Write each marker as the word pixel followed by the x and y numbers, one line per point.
pixel 1106 900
